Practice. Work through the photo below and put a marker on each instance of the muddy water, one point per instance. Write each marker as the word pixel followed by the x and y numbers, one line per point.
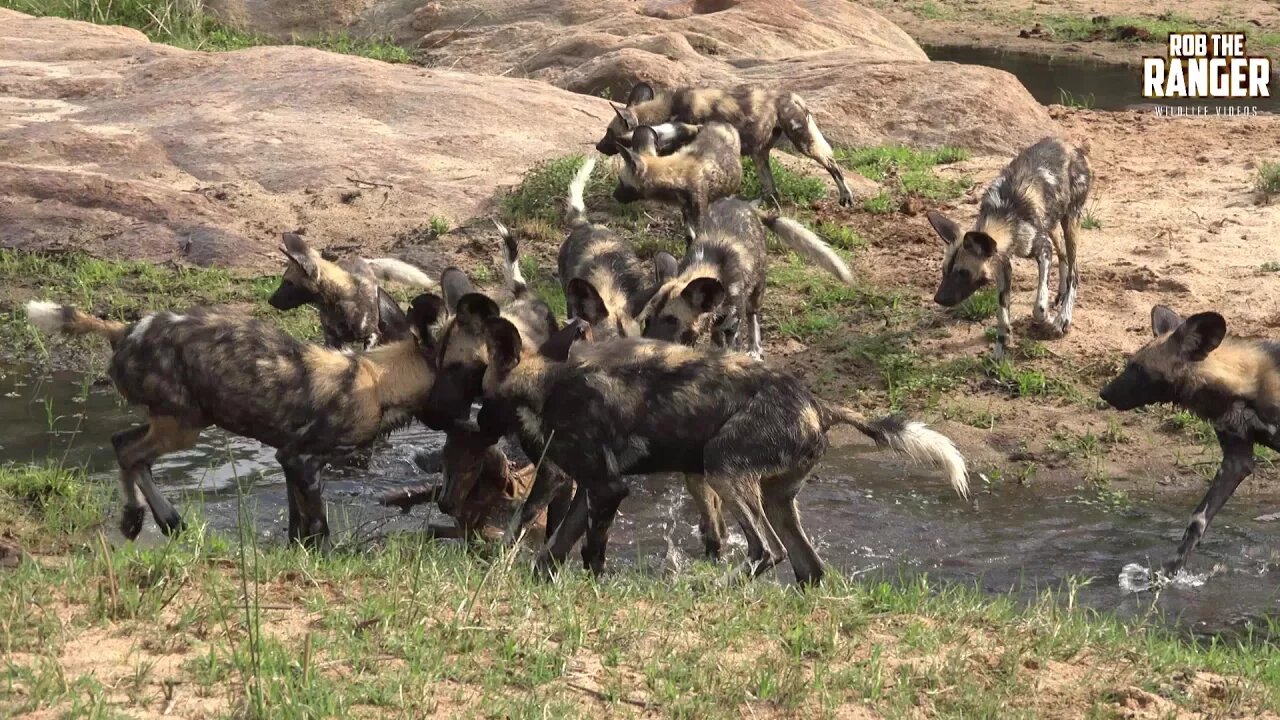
pixel 1103 86
pixel 866 514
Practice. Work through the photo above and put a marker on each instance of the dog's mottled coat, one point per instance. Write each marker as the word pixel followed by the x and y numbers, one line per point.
pixel 1234 383
pixel 201 368
pixel 1045 188
pixel 632 407
pixel 760 116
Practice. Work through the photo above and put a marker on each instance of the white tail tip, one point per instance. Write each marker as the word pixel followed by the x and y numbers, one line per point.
pixel 45 315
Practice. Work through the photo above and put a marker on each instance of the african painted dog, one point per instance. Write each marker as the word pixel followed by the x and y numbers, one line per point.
pixel 460 355
pixel 351 305
pixel 721 279
pixel 761 117
pixel 1045 186
pixel 202 368
pixel 1231 382
pixel 635 407
pixel 693 177
pixel 604 282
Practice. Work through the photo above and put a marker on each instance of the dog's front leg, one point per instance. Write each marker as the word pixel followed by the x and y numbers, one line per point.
pixel 1237 464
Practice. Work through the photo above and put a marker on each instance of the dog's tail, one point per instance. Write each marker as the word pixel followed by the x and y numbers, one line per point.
pixel 53 318
pixel 519 288
pixel 575 208
pixel 807 243
pixel 392 270
pixel 908 437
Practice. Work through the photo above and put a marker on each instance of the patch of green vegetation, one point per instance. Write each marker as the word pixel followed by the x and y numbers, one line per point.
pixel 979 306
pixel 1069 99
pixel 544 284
pixel 840 236
pixel 1190 425
pixel 1268 182
pixel 793 188
pixel 184 23
pixel 125 290
pixel 1029 382
pixel 540 196
pixel 1090 220
pixel 911 173
pixel 408 626
pixel 50 503
pixel 931 10
pixel 438 225
pixel 882 203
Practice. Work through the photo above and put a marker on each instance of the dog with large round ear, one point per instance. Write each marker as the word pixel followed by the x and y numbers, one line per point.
pixel 627 120
pixel 425 311
pixel 557 347
pixel 460 362
pixel 454 283
pixel 298 285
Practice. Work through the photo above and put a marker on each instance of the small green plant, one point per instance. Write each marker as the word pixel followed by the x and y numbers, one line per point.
pixel 1069 99
pixel 979 306
pixel 1268 182
pixel 1272 266
pixel 438 225
pixel 793 188
pixel 909 173
pixel 185 23
pixel 880 204
pixel 1090 220
pixel 841 236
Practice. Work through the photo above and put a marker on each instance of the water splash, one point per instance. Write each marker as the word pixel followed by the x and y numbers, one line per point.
pixel 1135 578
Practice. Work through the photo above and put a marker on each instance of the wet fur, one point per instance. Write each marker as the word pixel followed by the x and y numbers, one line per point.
pixel 190 371
pixel 1045 188
pixel 760 116
pixel 634 407
pixel 1233 383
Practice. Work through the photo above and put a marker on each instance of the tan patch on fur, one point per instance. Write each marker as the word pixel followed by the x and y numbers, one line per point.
pixel 1239 367
pixel 615 302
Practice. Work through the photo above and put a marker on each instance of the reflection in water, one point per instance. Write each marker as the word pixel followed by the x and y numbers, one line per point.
pixel 865 513
pixel 1067 79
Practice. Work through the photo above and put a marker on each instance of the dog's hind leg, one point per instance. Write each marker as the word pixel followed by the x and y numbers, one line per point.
pixel 710 515
pixel 780 506
pixel 136 450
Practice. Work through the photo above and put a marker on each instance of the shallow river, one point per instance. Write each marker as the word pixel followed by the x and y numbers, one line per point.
pixel 865 513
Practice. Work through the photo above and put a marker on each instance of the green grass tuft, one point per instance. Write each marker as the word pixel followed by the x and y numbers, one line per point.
pixel 793 188
pixel 979 306
pixel 910 170
pixel 184 23
pixel 1268 182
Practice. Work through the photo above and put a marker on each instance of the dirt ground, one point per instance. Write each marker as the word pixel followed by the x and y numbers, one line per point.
pixel 997 23
pixel 1181 225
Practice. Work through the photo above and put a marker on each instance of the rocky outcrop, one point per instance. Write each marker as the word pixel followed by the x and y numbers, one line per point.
pixel 121 147
pixel 868 82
